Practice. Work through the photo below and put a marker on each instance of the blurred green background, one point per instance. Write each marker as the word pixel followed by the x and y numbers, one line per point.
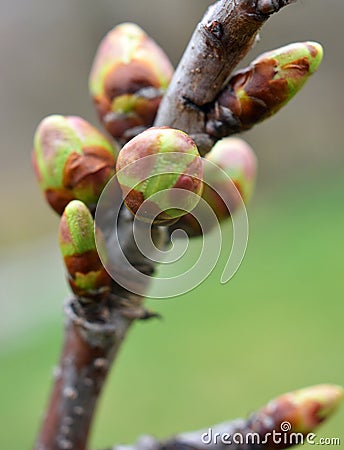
pixel 220 351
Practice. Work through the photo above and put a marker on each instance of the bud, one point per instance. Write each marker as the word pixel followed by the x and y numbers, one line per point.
pixel 237 160
pixel 299 411
pixel 230 158
pixel 86 274
pixel 129 76
pixel 259 91
pixel 72 160
pixel 161 168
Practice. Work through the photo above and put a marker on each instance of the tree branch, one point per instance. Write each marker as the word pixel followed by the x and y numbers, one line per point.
pixel 223 37
pixel 92 339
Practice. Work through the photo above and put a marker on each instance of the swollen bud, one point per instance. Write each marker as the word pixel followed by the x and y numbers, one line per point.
pixel 129 76
pixel 86 274
pixel 238 162
pixel 229 177
pixel 263 88
pixel 160 174
pixel 299 411
pixel 72 160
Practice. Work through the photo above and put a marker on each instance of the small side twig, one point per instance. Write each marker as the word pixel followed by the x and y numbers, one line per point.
pixel 284 422
pixel 94 332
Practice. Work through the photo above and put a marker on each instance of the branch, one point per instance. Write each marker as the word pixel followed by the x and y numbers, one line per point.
pixel 284 422
pixel 223 37
pixel 90 346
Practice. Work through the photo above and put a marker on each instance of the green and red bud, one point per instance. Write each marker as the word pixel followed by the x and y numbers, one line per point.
pixel 229 177
pixel 129 76
pixel 298 412
pixel 72 160
pixel 237 160
pixel 263 88
pixel 159 172
pixel 86 273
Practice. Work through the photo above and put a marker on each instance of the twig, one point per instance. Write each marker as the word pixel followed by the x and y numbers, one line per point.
pixel 223 37
pixel 284 422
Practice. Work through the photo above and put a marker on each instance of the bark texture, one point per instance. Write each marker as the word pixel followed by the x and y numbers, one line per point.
pixel 90 346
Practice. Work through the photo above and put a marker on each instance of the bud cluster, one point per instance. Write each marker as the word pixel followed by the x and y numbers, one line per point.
pixel 159 169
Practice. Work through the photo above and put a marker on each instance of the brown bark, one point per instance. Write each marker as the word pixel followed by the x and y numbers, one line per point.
pixel 89 348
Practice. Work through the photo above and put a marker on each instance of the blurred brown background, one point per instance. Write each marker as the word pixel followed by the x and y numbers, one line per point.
pixel 47 47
